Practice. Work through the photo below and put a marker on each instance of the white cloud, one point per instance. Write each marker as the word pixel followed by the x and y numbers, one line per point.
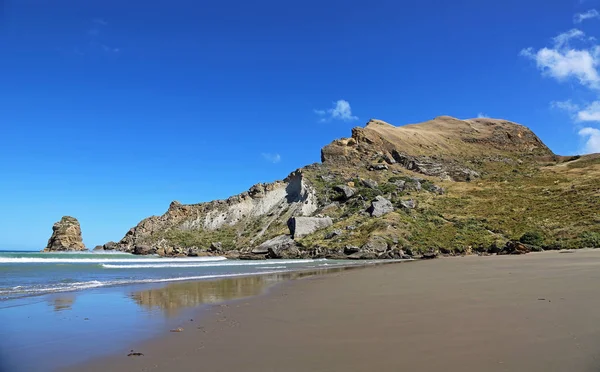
pixel 562 40
pixel 481 115
pixel 581 64
pixel 580 17
pixel 562 62
pixel 590 113
pixel 592 138
pixel 271 158
pixel 341 111
pixel 567 105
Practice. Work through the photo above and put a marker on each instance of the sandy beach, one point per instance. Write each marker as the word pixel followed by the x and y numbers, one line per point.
pixel 537 312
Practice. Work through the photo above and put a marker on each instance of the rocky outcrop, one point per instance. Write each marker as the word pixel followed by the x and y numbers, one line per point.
pixel 282 246
pixel 302 226
pixel 436 148
pixel 263 203
pixel 345 192
pixel 66 236
pixel 379 190
pixel 408 204
pixel 380 206
pixel 515 247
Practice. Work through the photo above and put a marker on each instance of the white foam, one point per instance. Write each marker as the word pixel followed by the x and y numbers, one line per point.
pixel 205 264
pixel 29 260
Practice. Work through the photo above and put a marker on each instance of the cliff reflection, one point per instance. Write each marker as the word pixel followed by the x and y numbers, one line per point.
pixel 61 303
pixel 176 296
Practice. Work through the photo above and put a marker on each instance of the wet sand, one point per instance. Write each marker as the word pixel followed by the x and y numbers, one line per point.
pixel 539 312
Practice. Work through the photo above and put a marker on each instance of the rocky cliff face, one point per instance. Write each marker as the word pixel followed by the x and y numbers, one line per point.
pixel 241 219
pixel 66 236
pixel 444 186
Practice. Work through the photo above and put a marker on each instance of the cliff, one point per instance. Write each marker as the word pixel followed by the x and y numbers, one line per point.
pixel 444 186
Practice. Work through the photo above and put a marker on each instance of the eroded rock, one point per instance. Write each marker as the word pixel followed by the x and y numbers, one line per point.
pixel 408 204
pixel 345 192
pixel 380 206
pixel 282 246
pixel 302 226
pixel 66 236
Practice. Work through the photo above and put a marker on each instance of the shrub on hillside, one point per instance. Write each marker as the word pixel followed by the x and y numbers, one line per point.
pixel 532 237
pixel 590 239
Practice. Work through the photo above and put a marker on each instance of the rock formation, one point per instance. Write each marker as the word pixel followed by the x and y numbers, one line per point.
pixel 66 236
pixel 446 186
pixel 302 226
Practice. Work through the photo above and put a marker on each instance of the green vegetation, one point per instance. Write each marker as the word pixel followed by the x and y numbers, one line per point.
pixel 532 238
pixel 590 239
pixel 528 195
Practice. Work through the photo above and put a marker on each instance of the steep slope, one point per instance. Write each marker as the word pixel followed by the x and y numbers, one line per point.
pixel 446 185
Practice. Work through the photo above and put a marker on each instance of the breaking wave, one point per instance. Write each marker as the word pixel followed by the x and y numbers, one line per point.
pixel 206 264
pixel 57 260
pixel 63 287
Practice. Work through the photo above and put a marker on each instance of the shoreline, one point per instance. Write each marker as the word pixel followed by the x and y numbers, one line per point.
pixel 501 313
pixel 71 327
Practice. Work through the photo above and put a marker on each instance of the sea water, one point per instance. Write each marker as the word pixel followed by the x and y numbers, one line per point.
pixel 34 273
pixel 66 308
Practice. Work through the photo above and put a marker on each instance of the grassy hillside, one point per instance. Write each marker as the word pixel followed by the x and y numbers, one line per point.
pixel 470 185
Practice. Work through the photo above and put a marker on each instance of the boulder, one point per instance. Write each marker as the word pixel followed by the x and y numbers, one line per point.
pixel 232 254
pixel 110 246
pixel 369 183
pixel 302 226
pixel 515 247
pixel 377 167
pixel 333 234
pixel 143 249
pixel 413 185
pixel 216 247
pixel 399 184
pixel 429 255
pixel 351 249
pixel 250 256
pixel 282 246
pixel 66 236
pixel 363 256
pixel 380 206
pixel 437 190
pixel 195 252
pixel 375 244
pixel 345 192
pixel 260 250
pixel 408 204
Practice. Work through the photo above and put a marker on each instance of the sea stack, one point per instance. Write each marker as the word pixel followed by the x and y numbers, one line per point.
pixel 66 236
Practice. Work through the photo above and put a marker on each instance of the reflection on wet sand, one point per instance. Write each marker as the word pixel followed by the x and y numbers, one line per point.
pixel 176 296
pixel 62 303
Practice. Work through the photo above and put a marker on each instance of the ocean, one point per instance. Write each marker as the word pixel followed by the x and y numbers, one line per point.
pixel 34 273
pixel 66 308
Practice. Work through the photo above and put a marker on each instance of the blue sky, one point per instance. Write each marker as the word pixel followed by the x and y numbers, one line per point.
pixel 109 110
